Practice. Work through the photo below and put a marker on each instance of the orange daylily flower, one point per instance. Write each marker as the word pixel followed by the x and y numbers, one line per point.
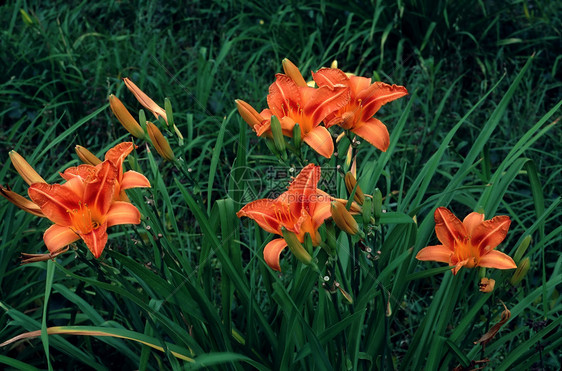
pixel 145 100
pixel 126 180
pixel 91 200
pixel 366 100
pixel 293 104
pixel 301 209
pixel 83 207
pixel 469 243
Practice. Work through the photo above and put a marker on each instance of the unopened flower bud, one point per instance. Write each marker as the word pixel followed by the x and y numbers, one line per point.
pixel 21 202
pixel 521 249
pixel 24 169
pixel 86 156
pixel 125 117
pixel 293 72
pixel 248 113
pixel 296 247
pixel 145 100
pixel 367 210
pixel 343 218
pixel 521 271
pixel 160 142
pixel 297 135
pixel 277 133
pixel 351 185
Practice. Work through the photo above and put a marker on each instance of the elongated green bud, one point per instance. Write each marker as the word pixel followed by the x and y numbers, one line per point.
pixel 377 206
pixel 296 247
pixel 351 185
pixel 521 271
pixel 169 112
pixel 297 136
pixel 170 116
pixel 522 249
pixel 367 211
pixel 278 138
pixel 142 119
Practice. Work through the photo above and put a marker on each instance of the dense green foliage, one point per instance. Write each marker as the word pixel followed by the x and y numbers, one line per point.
pixel 475 133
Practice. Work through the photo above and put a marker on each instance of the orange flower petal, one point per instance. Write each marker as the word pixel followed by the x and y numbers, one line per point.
pixel 301 188
pixel 122 213
pixel 320 140
pixel 374 132
pixel 272 251
pixel 284 95
pixel 437 253
pixel 132 179
pixel 321 213
pixel 54 201
pixel 490 233
pixel 448 227
pixel 57 236
pixel 324 101
pixel 265 212
pixel 96 240
pixel 330 77
pixel 98 194
pixel 459 265
pixel 498 260
pixel 117 154
pixel 377 95
pixel 359 86
pixel 145 100
pixel 471 221
pixel 84 171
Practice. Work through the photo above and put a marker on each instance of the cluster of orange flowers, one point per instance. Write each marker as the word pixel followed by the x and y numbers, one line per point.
pixel 350 102
pixel 347 101
pixel 93 196
pixel 91 200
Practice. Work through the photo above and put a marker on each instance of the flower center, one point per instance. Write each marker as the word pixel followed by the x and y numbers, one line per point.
pixel 85 219
pixel 466 251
